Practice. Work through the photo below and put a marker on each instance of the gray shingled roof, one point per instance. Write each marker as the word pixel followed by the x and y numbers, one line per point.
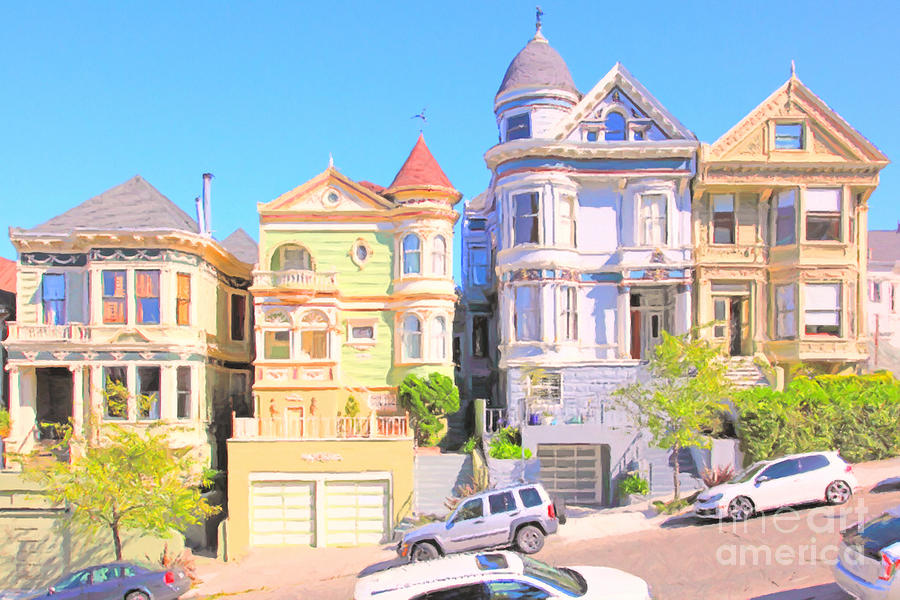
pixel 884 246
pixel 134 204
pixel 538 65
pixel 242 246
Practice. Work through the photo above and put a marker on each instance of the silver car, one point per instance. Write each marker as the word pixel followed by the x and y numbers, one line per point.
pixel 869 558
pixel 517 516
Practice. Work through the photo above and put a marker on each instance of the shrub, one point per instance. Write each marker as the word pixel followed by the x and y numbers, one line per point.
pixel 634 484
pixel 4 422
pixel 427 400
pixel 717 476
pixel 470 444
pixel 856 414
pixel 351 408
pixel 506 443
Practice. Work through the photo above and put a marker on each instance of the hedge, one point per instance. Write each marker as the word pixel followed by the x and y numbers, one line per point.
pixel 859 415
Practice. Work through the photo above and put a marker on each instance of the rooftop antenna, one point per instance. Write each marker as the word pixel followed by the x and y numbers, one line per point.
pixel 422 116
pixel 539 13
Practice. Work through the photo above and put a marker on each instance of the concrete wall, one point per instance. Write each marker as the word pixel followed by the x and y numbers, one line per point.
pixel 246 457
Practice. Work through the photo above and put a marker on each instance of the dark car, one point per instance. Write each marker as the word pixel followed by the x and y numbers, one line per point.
pixel 119 581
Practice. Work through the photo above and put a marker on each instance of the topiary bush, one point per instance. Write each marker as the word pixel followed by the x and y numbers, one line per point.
pixel 427 400
pixel 855 414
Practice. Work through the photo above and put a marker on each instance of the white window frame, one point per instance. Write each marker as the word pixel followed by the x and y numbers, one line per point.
pixel 537 216
pixel 523 312
pixel 474 265
pixel 271 325
pixel 786 316
pixel 838 311
pixel 438 339
pixel 646 222
pixel 361 341
pixel 527 115
pixel 714 198
pixel 309 326
pixel 568 313
pixel 404 333
pixel 439 256
pixel 813 198
pixel 405 255
pixel 572 202
pixel 804 135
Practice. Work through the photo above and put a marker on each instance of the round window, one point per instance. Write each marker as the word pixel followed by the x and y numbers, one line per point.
pixel 331 197
pixel 362 253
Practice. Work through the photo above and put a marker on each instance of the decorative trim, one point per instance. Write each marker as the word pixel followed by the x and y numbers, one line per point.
pixel 43 259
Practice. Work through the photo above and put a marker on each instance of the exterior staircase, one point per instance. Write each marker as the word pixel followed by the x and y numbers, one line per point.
pixel 744 373
pixel 436 478
pixel 457 428
pixel 662 466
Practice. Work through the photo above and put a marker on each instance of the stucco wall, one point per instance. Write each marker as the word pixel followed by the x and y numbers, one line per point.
pixel 246 457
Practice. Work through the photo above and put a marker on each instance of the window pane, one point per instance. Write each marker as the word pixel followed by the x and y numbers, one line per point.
pixel 366 332
pixel 526 318
pixel 148 393
pixel 478 265
pixel 785 228
pixel 439 338
pixel 116 392
pixel 785 315
pixel 184 393
pixel 789 136
pixel 314 344
pixel 615 127
pixel 530 497
pixel 294 258
pixel 114 297
pixel 439 256
pixel 526 218
pixel 518 127
pixel 823 296
pixel 823 200
pixel 238 316
pixel 477 224
pixel 277 344
pixel 53 294
pixel 479 336
pixel 411 254
pixel 146 289
pixel 653 219
pixel 412 337
pixel 823 227
pixel 183 300
pixel 501 502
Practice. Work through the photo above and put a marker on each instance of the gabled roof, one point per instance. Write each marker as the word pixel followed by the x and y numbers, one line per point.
pixel 789 99
pixel 7 275
pixel 241 245
pixel 134 204
pixel 619 76
pixel 884 246
pixel 537 65
pixel 288 200
pixel 420 169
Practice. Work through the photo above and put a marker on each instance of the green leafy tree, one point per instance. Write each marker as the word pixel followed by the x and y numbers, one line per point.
pixel 684 398
pixel 427 400
pixel 133 481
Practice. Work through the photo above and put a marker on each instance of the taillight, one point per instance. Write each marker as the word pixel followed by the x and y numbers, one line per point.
pixel 551 511
pixel 889 566
pixel 848 469
pixel 169 577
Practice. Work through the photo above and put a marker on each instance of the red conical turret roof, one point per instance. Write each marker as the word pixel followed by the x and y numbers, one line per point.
pixel 421 169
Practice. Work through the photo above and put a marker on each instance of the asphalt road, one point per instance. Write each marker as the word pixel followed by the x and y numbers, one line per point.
pixel 777 556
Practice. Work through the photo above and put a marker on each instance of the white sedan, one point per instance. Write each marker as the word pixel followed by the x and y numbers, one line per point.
pixel 765 485
pixel 498 576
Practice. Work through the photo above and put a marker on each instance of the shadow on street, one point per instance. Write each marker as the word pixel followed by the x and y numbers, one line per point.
pixel 381 566
pixel 891 484
pixel 826 591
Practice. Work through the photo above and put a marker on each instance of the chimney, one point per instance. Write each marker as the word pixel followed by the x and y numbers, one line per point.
pixel 200 215
pixel 207 199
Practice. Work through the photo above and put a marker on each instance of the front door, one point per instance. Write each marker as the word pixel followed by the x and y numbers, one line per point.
pixel 735 330
pixel 636 334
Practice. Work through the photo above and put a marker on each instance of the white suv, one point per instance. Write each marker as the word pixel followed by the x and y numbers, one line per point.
pixel 769 484
pixel 498 576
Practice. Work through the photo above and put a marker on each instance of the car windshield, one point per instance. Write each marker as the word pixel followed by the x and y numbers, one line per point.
pixel 72 580
pixel 565 580
pixel 748 473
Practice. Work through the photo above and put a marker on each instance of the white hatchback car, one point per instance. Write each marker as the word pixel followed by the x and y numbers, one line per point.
pixel 765 485
pixel 498 576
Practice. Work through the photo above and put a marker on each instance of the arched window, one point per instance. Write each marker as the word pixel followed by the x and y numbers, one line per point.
pixel 291 257
pixel 314 335
pixel 411 254
pixel 615 127
pixel 439 338
pixel 411 338
pixel 439 256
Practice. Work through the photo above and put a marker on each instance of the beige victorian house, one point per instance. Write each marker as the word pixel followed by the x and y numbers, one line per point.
pixel 780 233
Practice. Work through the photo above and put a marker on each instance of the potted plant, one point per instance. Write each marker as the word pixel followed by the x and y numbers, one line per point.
pixel 534 419
pixel 351 410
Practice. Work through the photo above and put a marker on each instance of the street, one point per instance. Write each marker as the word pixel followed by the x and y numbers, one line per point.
pixel 776 556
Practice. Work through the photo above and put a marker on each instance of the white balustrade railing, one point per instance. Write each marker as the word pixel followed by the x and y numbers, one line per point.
pixel 291 426
pixel 296 279
pixel 22 332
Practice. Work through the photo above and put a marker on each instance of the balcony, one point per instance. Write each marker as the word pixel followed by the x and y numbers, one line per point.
pixel 71 332
pixel 295 280
pixel 291 426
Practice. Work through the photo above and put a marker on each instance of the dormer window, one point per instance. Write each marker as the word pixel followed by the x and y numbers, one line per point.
pixel 789 136
pixel 518 127
pixel 615 127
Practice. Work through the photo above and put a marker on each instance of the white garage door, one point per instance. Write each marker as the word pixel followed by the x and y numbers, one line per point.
pixel 356 512
pixel 282 513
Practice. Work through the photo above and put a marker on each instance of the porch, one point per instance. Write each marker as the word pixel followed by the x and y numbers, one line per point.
pixel 293 425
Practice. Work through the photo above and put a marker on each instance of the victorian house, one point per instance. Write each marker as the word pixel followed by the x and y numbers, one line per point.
pixel 129 313
pixel 578 257
pixel 780 234
pixel 353 292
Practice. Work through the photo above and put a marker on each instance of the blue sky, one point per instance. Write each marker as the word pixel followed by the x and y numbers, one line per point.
pixel 260 93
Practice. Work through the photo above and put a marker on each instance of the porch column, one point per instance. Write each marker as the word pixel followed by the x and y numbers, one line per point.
pixel 77 401
pixel 623 321
pixel 22 410
pixel 682 320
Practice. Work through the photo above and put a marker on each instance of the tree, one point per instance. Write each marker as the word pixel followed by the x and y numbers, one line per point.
pixel 684 398
pixel 134 480
pixel 427 400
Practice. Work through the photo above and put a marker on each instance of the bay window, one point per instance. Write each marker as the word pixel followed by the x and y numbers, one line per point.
pixel 567 209
pixel 723 219
pixel 411 338
pixel 653 220
pixel 439 256
pixel 823 214
pixel 785 311
pixel 148 399
pixel 146 291
pixel 439 338
pixel 527 315
pixel 411 254
pixel 785 217
pixel 53 298
pixel 569 312
pixel 822 309
pixel 526 211
pixel 183 410
pixel 115 297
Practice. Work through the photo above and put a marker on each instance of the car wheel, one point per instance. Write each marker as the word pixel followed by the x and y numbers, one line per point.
pixel 838 492
pixel 559 506
pixel 529 539
pixel 740 509
pixel 136 595
pixel 423 551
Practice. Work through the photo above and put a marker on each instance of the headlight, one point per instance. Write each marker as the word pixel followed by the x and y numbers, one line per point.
pixel 714 498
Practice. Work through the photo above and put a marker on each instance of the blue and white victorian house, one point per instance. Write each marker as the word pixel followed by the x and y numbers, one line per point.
pixel 576 258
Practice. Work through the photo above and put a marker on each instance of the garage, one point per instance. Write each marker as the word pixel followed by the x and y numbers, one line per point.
pixel 356 512
pixel 282 513
pixel 578 473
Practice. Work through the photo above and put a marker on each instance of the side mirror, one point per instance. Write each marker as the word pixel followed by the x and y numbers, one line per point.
pixel 449 524
pixel 51 590
pixel 761 479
